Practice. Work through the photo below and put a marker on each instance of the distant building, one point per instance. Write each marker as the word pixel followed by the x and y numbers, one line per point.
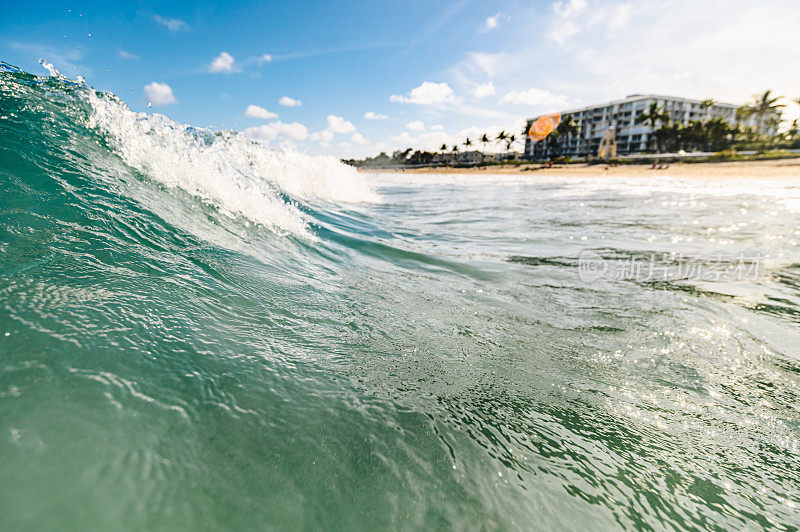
pixel 630 136
pixel 502 156
pixel 469 157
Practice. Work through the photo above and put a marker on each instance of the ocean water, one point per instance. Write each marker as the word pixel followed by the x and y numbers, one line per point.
pixel 200 332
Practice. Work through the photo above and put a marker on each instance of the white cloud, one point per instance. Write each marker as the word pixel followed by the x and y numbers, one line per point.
pixel 294 131
pixel 477 66
pixel 570 8
pixel 159 93
pixel 535 97
pixel 255 111
pixel 565 27
pixel 416 125
pixel 222 63
pixel 437 127
pixel 487 62
pixel 337 124
pixel 483 90
pixel 172 24
pixel 563 31
pixel 369 115
pixel 494 21
pixel 266 58
pixel 359 139
pixel 676 54
pixel 619 17
pixel 128 55
pixel 289 102
pixel 404 138
pixel 428 93
pixel 273 130
pixel 324 136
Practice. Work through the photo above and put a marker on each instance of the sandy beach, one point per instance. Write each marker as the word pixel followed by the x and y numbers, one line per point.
pixel 764 169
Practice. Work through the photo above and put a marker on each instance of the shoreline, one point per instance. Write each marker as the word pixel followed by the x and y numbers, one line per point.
pixel 777 168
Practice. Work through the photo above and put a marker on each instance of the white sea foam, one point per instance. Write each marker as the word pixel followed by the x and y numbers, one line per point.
pixel 238 175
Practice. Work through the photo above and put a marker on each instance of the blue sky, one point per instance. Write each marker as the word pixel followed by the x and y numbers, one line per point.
pixel 365 76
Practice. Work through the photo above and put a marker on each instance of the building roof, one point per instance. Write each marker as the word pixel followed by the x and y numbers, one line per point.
pixel 638 97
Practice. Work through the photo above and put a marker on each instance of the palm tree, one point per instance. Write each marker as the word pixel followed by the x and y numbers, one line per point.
pixel 510 140
pixel 765 107
pixel 502 136
pixel 743 113
pixel 706 105
pixel 484 140
pixel 734 134
pixel 793 133
pixel 526 129
pixel 694 136
pixel 653 116
pixel 568 126
pixel 774 123
pixel 467 143
pixel 716 134
pixel 670 136
pixel 442 149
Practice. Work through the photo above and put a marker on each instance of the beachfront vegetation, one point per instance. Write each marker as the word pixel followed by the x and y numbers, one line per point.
pixel 653 117
pixel 764 108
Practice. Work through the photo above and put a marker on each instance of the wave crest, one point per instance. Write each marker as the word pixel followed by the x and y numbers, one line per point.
pixel 236 174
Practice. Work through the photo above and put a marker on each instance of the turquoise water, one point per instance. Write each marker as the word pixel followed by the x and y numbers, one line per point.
pixel 197 332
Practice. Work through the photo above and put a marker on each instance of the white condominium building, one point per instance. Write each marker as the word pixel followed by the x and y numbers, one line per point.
pixel 630 136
